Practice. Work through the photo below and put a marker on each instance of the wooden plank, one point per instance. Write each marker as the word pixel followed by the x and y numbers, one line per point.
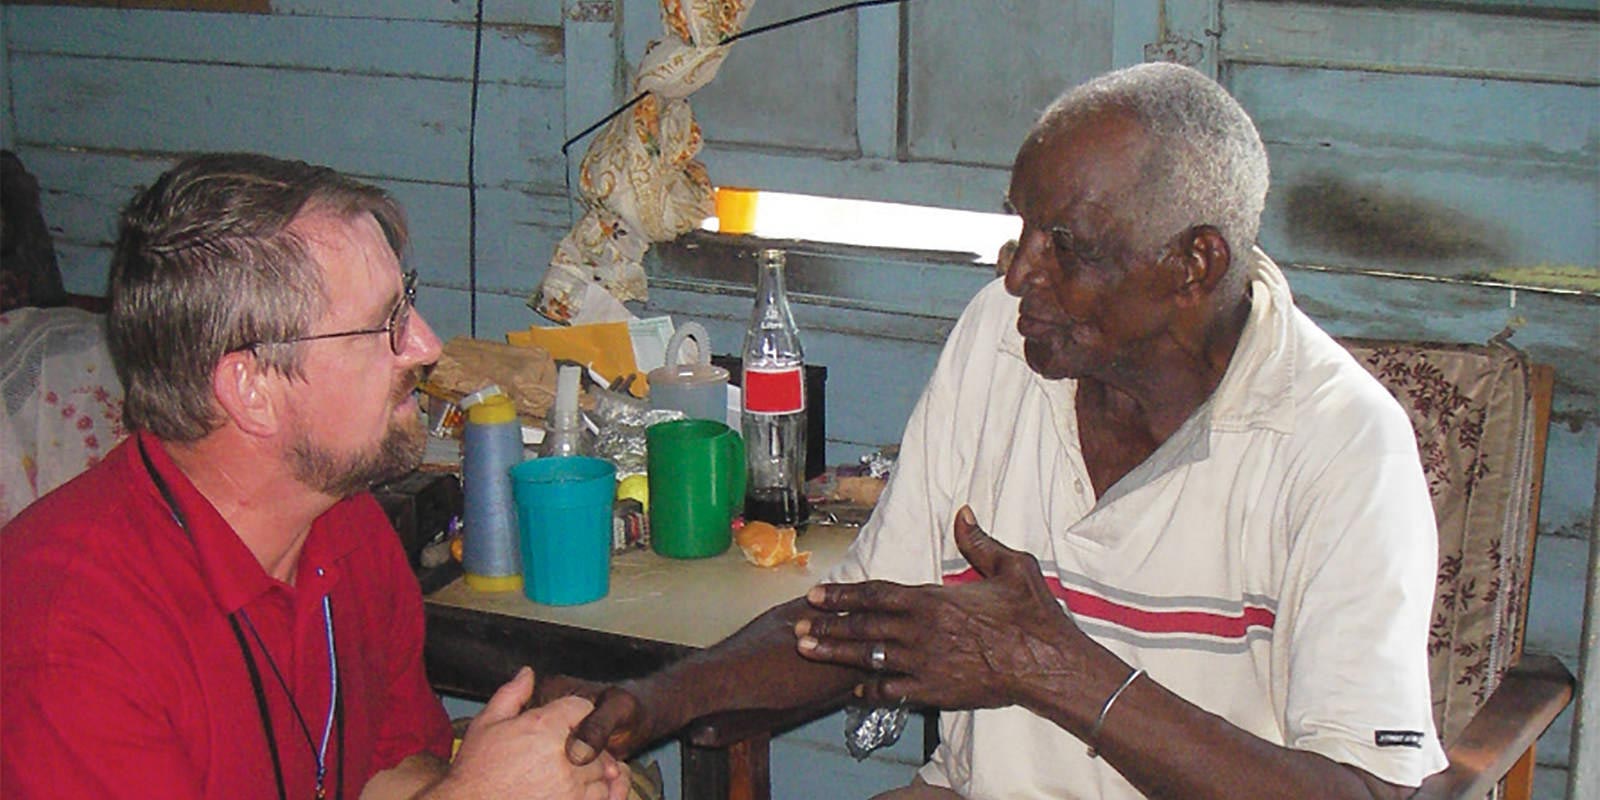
pixel 778 91
pixel 518 231
pixel 234 6
pixel 1408 115
pixel 520 54
pixel 1585 745
pixel 517 235
pixel 365 125
pixel 520 130
pixel 855 277
pixel 81 194
pixel 1135 23
pixel 1431 215
pixel 1031 51
pixel 877 81
pixel 1438 41
pixel 528 12
pixel 592 87
pixel 749 769
pixel 1533 692
pixel 84 270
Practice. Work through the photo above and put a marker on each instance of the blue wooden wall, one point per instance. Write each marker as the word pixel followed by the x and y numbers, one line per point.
pixel 1436 173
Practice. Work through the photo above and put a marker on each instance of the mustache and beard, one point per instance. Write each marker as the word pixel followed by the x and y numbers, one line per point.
pixel 344 474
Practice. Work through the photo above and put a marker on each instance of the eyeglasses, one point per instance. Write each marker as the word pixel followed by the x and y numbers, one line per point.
pixel 396 325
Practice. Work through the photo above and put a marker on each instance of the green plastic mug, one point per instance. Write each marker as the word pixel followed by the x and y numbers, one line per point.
pixel 696 474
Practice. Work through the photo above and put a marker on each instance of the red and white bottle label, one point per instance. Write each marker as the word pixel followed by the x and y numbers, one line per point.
pixel 774 391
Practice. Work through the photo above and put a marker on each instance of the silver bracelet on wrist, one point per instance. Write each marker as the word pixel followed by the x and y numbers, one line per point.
pixel 1094 732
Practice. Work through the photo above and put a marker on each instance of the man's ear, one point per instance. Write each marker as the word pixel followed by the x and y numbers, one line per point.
pixel 248 393
pixel 1201 259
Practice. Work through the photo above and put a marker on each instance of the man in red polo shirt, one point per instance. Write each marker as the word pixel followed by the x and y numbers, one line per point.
pixel 219 609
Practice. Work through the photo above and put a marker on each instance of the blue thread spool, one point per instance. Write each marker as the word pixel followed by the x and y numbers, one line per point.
pixel 490 554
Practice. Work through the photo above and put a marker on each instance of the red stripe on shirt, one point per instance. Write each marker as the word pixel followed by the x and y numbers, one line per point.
pixel 1205 623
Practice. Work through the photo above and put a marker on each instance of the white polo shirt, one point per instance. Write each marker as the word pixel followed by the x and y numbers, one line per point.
pixel 1272 562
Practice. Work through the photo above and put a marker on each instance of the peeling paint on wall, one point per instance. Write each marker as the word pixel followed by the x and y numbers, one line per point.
pixel 1375 223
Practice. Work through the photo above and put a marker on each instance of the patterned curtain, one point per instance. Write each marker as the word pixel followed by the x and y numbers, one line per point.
pixel 639 180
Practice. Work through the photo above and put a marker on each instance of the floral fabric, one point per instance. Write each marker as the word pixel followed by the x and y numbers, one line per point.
pixel 639 179
pixel 1472 411
pixel 60 401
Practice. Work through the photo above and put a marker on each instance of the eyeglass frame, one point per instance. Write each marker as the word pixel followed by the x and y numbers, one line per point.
pixel 396 325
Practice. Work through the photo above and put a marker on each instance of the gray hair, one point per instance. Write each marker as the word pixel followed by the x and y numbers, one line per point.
pixel 206 264
pixel 1206 164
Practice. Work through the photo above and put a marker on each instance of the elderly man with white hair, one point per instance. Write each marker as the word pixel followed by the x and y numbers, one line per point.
pixel 1152 532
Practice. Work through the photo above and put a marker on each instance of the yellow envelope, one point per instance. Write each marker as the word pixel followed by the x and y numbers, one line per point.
pixel 604 347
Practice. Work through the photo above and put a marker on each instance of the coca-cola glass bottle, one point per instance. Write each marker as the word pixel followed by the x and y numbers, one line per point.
pixel 774 405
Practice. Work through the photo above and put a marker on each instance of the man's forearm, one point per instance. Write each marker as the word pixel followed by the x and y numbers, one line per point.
pixel 1168 747
pixel 755 668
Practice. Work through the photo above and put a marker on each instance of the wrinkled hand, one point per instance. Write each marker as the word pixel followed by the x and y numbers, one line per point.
pixel 511 753
pixel 976 645
pixel 618 723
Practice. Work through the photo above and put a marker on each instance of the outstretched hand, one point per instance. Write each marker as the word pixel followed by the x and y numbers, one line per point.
pixel 971 645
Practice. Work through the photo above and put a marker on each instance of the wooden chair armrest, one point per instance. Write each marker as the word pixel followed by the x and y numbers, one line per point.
pixel 1528 699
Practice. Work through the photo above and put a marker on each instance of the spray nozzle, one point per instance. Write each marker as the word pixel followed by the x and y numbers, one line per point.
pixel 566 413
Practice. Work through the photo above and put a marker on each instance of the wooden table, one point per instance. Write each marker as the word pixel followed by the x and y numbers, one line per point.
pixel 658 610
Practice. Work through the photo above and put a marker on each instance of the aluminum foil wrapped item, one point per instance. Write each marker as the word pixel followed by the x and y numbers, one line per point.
pixel 880 462
pixel 867 729
pixel 621 419
pixel 616 408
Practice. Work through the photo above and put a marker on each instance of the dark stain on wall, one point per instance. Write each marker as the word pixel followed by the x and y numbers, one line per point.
pixel 1374 223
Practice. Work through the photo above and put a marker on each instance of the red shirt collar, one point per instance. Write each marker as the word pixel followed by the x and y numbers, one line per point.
pixel 232 574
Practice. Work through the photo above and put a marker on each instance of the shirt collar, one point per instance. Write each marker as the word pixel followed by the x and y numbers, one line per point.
pixel 231 572
pixel 1257 391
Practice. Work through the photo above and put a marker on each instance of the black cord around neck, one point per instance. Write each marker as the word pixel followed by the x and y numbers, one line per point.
pixel 256 684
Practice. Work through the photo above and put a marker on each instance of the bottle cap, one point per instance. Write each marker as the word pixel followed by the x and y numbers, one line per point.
pixel 492 410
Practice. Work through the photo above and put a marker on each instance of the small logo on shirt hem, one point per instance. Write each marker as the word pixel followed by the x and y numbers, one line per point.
pixel 1398 738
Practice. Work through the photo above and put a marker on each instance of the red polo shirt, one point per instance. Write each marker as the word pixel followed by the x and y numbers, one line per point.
pixel 120 675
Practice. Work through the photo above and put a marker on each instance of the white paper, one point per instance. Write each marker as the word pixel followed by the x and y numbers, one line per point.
pixel 599 305
pixel 650 337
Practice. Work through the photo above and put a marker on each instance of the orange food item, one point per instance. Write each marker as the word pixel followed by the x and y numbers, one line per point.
pixel 766 545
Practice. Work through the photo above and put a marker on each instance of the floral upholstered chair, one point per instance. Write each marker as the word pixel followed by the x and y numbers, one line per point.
pixel 1480 413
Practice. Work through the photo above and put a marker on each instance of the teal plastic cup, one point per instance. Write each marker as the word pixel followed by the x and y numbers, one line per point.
pixel 564 512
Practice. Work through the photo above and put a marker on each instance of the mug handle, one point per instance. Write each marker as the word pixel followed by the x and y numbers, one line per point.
pixel 702 342
pixel 737 478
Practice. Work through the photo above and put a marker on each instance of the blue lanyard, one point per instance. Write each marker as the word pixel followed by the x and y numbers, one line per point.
pixel 255 673
pixel 321 751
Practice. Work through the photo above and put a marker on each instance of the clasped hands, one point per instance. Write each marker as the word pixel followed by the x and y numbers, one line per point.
pixel 980 644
